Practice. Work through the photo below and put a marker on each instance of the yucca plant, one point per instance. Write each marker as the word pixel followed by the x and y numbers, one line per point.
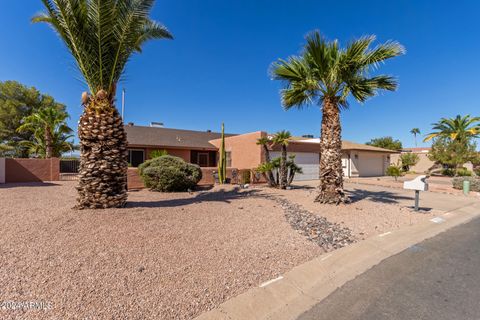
pixel 326 75
pixel 102 35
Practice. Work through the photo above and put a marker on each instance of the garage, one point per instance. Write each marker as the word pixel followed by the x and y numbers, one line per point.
pixel 370 164
pixel 308 161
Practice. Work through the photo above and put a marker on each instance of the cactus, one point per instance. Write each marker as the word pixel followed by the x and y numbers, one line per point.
pixel 222 160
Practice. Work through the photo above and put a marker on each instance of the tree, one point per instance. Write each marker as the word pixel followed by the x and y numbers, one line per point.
pixel 327 75
pixel 460 129
pixel 394 171
pixel 266 168
pixel 18 101
pixel 102 36
pixel 415 131
pixel 49 129
pixel 453 153
pixel 408 160
pixel 282 138
pixel 386 143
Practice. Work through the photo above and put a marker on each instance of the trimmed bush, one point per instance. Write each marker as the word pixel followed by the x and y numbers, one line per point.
pixel 169 174
pixel 464 172
pixel 394 171
pixel 474 183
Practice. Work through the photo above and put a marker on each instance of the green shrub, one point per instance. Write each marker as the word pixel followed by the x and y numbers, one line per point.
pixel 394 171
pixel 157 153
pixel 477 171
pixel 464 172
pixel 448 172
pixel 474 183
pixel 169 174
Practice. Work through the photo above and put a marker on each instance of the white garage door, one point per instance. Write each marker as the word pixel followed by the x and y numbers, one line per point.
pixel 370 165
pixel 307 161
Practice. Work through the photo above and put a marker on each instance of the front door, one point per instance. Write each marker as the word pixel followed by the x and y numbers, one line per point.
pixel 202 159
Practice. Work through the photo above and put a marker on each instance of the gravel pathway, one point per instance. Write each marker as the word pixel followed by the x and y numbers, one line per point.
pixel 165 256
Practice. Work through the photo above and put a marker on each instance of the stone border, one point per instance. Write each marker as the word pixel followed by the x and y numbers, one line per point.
pixel 306 285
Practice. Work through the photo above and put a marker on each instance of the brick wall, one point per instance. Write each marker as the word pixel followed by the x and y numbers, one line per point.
pixel 32 170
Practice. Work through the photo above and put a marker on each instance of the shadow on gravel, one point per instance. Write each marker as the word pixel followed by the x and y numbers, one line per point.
pixel 208 196
pixel 375 196
pixel 27 184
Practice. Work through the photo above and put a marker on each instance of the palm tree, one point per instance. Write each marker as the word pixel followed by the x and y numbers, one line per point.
pixel 102 36
pixel 282 138
pixel 61 142
pixel 415 131
pixel 266 168
pixel 47 125
pixel 327 75
pixel 460 129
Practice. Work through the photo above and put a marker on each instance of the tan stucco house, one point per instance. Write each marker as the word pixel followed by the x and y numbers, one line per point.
pixel 201 147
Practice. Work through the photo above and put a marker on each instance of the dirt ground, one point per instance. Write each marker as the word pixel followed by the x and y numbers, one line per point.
pixel 166 256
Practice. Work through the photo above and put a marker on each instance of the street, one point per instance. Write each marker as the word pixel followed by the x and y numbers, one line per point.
pixel 433 280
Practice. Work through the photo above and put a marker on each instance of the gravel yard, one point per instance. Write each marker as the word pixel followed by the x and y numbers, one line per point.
pixel 166 256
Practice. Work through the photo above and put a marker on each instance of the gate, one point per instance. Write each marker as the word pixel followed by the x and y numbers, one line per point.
pixel 69 169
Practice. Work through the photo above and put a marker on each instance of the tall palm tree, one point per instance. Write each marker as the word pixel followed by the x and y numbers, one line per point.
pixel 459 129
pixel 282 138
pixel 61 142
pixel 415 131
pixel 265 142
pixel 46 124
pixel 327 75
pixel 102 36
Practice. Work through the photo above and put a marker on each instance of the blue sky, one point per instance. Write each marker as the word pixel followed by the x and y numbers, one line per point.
pixel 216 69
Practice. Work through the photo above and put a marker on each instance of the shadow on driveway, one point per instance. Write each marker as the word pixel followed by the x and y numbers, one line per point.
pixel 376 196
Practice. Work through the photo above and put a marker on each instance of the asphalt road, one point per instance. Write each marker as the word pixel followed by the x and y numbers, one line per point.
pixel 438 279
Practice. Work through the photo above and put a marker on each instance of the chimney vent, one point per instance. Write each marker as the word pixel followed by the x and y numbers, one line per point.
pixel 130 124
pixel 310 136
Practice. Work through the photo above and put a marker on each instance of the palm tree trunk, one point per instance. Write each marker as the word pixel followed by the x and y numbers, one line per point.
pixel 48 144
pixel 103 159
pixel 269 176
pixel 330 189
pixel 283 168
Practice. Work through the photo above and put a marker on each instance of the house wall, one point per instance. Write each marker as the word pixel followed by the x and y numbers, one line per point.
pixel 356 165
pixel 423 165
pixel 2 170
pixel 32 170
pixel 245 153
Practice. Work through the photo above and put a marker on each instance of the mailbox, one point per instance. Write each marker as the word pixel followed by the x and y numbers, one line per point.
pixel 419 183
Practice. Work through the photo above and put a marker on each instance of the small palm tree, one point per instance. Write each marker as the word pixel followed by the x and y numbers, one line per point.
pixel 326 75
pixel 282 138
pixel 102 36
pixel 415 131
pixel 47 125
pixel 460 129
pixel 266 168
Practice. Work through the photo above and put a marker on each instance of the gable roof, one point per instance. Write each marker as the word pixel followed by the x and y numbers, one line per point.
pixel 175 138
pixel 348 145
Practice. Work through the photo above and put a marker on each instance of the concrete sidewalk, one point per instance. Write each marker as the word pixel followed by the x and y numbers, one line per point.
pixel 306 285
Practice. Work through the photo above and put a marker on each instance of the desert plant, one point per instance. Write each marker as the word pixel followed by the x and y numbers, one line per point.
pixel 102 36
pixel 158 153
pixel 169 174
pixel 326 75
pixel 415 131
pixel 222 160
pixel 50 132
pixel 282 138
pixel 474 183
pixel 266 170
pixel 394 171
pixel 408 160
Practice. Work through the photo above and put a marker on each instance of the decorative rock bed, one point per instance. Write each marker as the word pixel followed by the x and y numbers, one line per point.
pixel 329 236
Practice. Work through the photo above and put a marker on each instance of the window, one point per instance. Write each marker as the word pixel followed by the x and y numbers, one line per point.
pixel 229 158
pixel 136 157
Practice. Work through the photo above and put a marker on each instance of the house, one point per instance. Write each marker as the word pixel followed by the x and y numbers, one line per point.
pixel 424 163
pixel 191 146
pixel 201 147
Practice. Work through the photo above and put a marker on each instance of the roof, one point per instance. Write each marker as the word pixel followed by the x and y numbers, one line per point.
pixel 348 145
pixel 417 150
pixel 175 138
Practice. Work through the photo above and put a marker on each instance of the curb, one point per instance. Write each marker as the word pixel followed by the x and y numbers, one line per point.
pixel 298 290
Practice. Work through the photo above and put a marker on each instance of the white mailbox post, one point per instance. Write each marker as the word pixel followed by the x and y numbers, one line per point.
pixel 418 184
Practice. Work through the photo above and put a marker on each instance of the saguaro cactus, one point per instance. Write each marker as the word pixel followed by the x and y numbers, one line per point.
pixel 222 160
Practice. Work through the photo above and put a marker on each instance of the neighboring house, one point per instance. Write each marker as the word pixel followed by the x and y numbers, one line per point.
pixel 424 164
pixel 191 146
pixel 201 148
